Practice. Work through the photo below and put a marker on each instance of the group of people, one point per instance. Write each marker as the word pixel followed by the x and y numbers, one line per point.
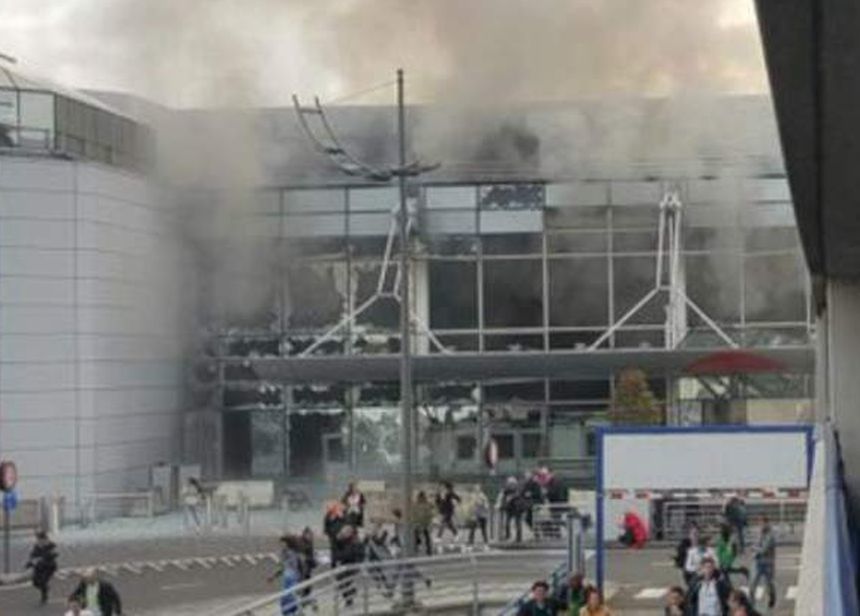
pixel 349 511
pixel 573 599
pixel 91 597
pixel 707 565
pixel 296 564
pixel 518 499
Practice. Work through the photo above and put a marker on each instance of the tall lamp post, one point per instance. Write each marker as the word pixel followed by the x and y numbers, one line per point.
pixel 317 127
pixel 406 405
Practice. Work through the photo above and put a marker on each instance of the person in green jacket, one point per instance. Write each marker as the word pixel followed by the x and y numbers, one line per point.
pixel 726 550
pixel 572 595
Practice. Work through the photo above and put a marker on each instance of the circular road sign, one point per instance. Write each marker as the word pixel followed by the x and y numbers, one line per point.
pixel 8 476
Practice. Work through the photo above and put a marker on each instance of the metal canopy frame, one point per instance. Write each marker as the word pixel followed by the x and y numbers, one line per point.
pixel 382 291
pixel 669 278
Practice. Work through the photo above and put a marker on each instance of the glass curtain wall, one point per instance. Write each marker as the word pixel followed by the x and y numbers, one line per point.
pixel 512 268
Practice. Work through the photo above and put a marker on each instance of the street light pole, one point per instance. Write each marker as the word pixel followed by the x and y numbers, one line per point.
pixel 406 407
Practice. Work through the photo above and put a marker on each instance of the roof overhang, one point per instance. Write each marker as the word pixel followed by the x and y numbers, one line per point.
pixel 812 52
pixel 492 366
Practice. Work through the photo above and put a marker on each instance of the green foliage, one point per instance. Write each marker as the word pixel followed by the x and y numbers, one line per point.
pixel 633 402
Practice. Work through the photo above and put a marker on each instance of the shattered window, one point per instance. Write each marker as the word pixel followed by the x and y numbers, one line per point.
pixel 511 196
pixel 384 312
pixel 315 295
pixel 377 426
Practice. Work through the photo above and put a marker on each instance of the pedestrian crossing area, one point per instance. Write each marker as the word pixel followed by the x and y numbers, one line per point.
pixel 656 594
pixel 116 569
pixel 230 561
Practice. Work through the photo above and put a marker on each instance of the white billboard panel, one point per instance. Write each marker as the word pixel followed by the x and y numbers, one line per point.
pixel 704 460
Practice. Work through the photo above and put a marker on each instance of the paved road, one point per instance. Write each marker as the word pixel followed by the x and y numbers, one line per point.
pixel 155 592
pixel 198 585
pixel 195 585
pixel 641 579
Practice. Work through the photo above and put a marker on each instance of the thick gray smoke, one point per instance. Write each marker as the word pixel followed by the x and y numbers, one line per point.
pixel 484 64
pixel 503 51
pixel 197 52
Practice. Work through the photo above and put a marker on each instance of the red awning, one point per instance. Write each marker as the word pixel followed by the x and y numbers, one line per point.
pixel 734 361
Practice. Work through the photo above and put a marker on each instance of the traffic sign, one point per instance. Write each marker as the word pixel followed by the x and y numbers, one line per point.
pixel 10 501
pixel 8 476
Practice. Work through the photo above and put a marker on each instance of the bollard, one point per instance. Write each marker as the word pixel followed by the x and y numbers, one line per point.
pixel 244 513
pixel 575 544
pixel 207 500
pixel 54 515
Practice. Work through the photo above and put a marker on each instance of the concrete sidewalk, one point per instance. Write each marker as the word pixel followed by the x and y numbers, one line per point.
pixel 166 537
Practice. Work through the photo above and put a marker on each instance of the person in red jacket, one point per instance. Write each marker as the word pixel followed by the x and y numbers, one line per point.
pixel 635 533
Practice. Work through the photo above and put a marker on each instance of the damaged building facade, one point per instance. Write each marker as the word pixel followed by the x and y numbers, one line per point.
pixel 252 325
pixel 518 268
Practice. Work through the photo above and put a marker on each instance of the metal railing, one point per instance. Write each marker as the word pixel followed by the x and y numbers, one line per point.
pixel 145 503
pixel 467 582
pixel 543 523
pixel 787 515
pixel 828 572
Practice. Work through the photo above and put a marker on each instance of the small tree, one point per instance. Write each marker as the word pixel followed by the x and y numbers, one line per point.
pixel 633 401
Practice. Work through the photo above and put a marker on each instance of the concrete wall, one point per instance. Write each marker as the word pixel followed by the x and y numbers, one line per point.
pixel 842 327
pixel 90 371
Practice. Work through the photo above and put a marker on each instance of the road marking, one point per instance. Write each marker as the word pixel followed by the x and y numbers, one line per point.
pixel 227 561
pixel 132 567
pixel 8 587
pixel 791 593
pixel 650 593
pixel 203 562
pixel 179 564
pixel 182 586
pixel 155 566
pixel 250 559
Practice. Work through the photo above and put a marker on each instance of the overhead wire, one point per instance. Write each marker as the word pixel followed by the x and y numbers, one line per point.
pixel 362 92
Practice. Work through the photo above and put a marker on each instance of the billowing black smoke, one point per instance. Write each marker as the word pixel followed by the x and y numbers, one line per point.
pixel 510 145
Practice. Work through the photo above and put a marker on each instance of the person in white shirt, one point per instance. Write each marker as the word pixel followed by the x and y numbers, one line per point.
pixel 75 609
pixel 695 555
pixel 709 594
